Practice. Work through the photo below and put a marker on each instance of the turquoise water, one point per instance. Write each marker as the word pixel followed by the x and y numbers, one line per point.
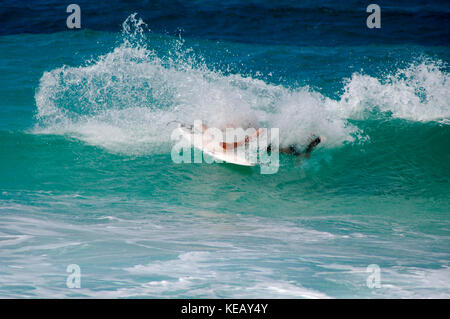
pixel 86 175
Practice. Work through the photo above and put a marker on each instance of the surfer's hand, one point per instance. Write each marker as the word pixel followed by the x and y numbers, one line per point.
pixel 226 146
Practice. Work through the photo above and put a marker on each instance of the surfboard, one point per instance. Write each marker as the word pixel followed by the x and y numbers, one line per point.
pixel 210 146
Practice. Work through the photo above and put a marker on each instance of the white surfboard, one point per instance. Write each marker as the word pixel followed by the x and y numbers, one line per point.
pixel 208 145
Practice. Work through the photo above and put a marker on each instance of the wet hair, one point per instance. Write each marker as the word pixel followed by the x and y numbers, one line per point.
pixel 293 149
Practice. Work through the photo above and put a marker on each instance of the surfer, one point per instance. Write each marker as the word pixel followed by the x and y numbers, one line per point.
pixel 291 149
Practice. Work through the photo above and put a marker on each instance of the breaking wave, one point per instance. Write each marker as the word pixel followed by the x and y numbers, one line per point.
pixel 123 100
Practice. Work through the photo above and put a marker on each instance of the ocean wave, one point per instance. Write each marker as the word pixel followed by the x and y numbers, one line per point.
pixel 123 100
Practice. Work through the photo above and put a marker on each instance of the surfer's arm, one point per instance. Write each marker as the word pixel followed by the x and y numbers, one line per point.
pixel 226 145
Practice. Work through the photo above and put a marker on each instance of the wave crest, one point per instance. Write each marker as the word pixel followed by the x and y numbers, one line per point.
pixel 123 100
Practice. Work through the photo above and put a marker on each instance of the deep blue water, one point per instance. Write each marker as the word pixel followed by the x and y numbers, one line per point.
pixel 86 175
pixel 310 22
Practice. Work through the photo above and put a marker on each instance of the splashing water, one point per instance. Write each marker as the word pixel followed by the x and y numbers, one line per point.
pixel 123 100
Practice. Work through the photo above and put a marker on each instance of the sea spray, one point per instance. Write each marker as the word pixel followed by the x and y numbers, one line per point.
pixel 123 100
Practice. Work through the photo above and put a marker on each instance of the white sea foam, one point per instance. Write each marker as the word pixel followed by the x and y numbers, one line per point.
pixel 421 92
pixel 192 269
pixel 184 255
pixel 123 100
